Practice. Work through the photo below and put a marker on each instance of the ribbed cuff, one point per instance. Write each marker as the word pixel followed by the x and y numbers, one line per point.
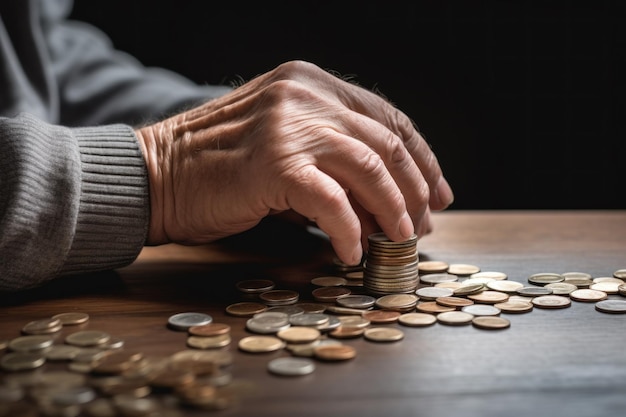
pixel 113 215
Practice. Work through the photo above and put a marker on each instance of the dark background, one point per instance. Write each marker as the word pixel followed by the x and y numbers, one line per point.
pixel 524 102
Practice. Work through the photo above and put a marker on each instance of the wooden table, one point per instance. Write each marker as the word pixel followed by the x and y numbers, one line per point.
pixel 565 362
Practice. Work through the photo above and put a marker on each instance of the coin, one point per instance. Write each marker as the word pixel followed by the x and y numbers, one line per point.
pixel 481 310
pixel 455 318
pixel 429 267
pixel 211 329
pixel 417 319
pixel 329 281
pixel 183 321
pixel 491 322
pixel 309 319
pixel 620 273
pixel 354 321
pixel 437 278
pixel 588 295
pixel 489 275
pixel 463 269
pixel 489 297
pixel 534 291
pixel 544 278
pixel 290 310
pixel 383 334
pixel 330 294
pixel 255 286
pixel 346 332
pixel 291 366
pixel 279 297
pixel 551 301
pixel 299 334
pixel 43 326
pixel 433 307
pixel 561 288
pixel 431 293
pixel 381 316
pixel 339 352
pixel 209 342
pixel 63 352
pixel 72 318
pixel 256 344
pixel 611 306
pixel 356 301
pixel 606 286
pixel 245 309
pixel 456 302
pixel 397 302
pixel 30 343
pixel 266 323
pixel 515 307
pixel 468 289
pixel 311 307
pixel 21 361
pixel 504 286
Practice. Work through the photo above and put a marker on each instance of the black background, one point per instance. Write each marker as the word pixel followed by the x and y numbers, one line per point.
pixel 524 102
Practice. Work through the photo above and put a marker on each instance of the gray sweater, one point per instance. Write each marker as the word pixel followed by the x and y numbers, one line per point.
pixel 73 183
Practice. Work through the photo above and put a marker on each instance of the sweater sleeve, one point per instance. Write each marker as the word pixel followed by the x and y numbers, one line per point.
pixel 71 199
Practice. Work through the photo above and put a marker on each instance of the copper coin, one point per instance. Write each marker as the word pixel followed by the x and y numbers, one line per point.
pixel 588 295
pixel 489 297
pixel 211 329
pixel 455 318
pixel 330 294
pixel 279 297
pixel 245 309
pixel 417 319
pixel 381 316
pixel 454 301
pixel 514 307
pixel 551 301
pixel 433 307
pixel 383 334
pixel 491 322
pixel 334 352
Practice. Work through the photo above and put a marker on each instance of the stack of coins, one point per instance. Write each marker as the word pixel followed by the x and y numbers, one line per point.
pixel 390 267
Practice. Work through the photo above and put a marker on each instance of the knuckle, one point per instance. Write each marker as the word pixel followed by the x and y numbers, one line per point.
pixel 372 165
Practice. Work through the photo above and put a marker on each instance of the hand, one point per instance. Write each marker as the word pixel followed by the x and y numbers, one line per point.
pixel 295 138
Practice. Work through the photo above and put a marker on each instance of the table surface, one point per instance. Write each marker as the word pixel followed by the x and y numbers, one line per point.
pixel 552 362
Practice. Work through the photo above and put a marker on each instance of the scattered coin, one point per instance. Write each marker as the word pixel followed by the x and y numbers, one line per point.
pixel 381 316
pixel 561 288
pixel 481 310
pixel 245 309
pixel 490 275
pixel 544 278
pixel 431 293
pixel 338 352
pixel 330 294
pixel 279 297
pixel 433 307
pixel 346 332
pixel 611 306
pixel 588 295
pixel 438 278
pixel 356 301
pixel 211 329
pixel 534 291
pixel 383 334
pixel 209 342
pixel 257 344
pixel 609 287
pixel 491 322
pixel 299 334
pixel 468 289
pixel 431 267
pixel 72 319
pixel 551 301
pixel 463 269
pixel 514 307
pixel 21 361
pixel 504 286
pixel 489 297
pixel 417 319
pixel 291 366
pixel 329 281
pixel 255 286
pixel 455 318
pixel 456 302
pixel 183 321
pixel 620 273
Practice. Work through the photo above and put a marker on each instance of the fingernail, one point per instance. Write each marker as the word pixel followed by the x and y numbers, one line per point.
pixel 443 193
pixel 406 226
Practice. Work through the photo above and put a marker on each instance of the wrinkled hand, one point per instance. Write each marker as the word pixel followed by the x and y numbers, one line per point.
pixel 295 138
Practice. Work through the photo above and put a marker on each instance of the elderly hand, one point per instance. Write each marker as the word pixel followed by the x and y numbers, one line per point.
pixel 295 138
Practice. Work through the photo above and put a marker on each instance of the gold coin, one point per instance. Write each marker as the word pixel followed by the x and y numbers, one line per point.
pixel 456 302
pixel 87 338
pixel 491 322
pixel 515 306
pixel 417 319
pixel 381 316
pixel 588 295
pixel 489 297
pixel 551 301
pixel 255 344
pixel 455 318
pixel 338 352
pixel 299 334
pixel 431 267
pixel 383 334
pixel 245 309
pixel 397 302
pixel 463 269
pixel 72 318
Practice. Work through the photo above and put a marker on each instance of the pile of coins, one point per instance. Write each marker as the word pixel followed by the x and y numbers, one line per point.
pixel 390 267
pixel 102 378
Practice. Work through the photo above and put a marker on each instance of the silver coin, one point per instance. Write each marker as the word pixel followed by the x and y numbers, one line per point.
pixel 611 306
pixel 356 301
pixel 291 366
pixel 544 278
pixel 481 310
pixel 533 291
pixel 309 319
pixel 437 278
pixel 266 323
pixel 290 310
pixel 183 321
pixel 432 293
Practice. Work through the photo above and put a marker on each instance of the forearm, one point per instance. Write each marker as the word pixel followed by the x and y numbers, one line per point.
pixel 71 200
